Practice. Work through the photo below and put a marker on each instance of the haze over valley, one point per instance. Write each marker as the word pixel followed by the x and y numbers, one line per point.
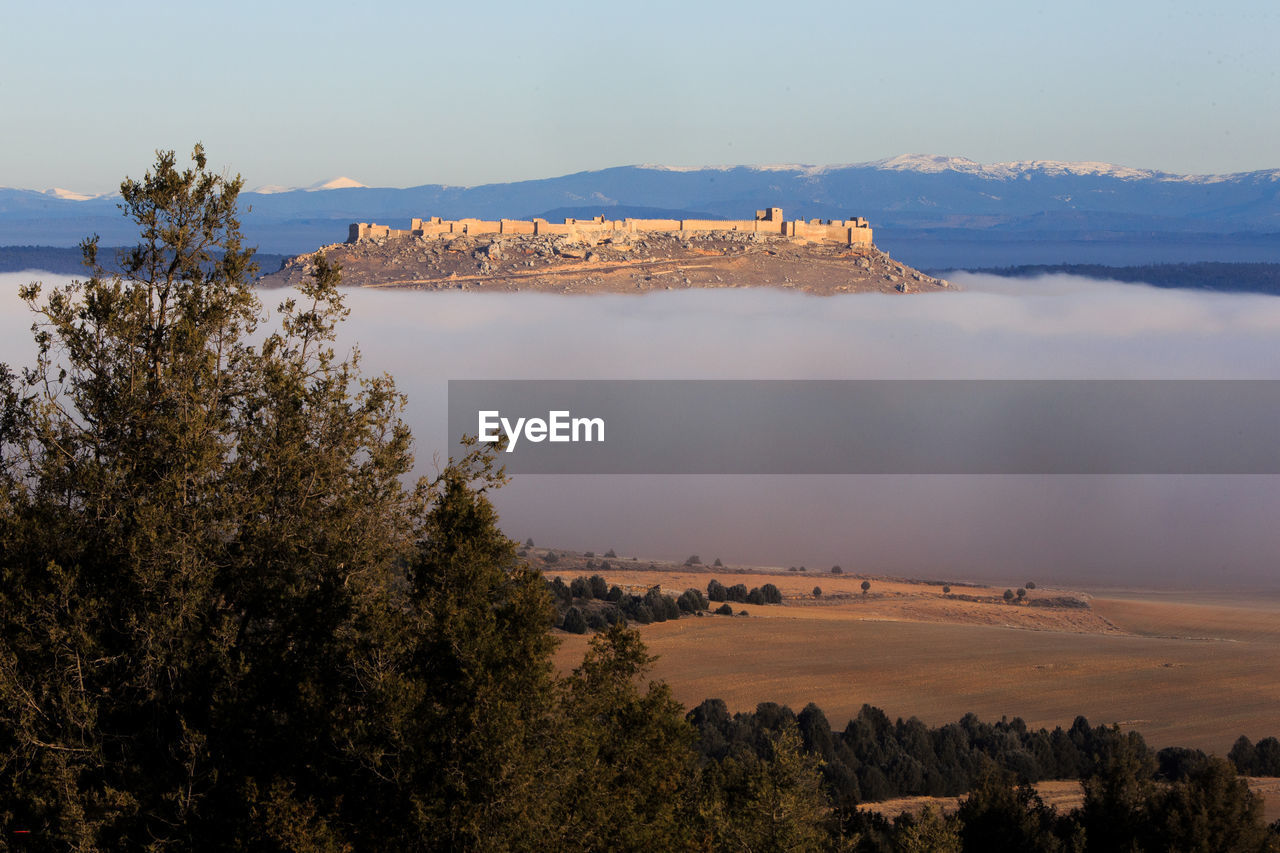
pixel 1167 531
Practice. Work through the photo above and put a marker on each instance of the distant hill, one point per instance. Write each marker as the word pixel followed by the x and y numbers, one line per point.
pixel 62 260
pixel 942 212
pixel 1237 278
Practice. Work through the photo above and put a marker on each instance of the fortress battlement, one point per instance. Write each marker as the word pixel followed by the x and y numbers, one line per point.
pixel 848 232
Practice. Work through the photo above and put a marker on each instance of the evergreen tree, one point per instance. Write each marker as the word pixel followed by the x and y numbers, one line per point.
pixel 775 802
pixel 998 816
pixel 215 626
pixel 1117 795
pixel 1212 809
pixel 928 833
pixel 190 532
pixel 574 621
pixel 468 699
pixel 1243 756
pixel 627 764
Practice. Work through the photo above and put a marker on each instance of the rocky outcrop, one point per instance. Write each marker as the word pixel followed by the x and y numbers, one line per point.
pixel 620 263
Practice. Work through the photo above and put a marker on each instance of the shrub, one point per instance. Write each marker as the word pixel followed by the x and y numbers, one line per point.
pixel 574 621
pixel 696 599
pixel 560 592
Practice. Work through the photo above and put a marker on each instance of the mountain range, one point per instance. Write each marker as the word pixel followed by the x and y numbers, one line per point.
pixel 928 210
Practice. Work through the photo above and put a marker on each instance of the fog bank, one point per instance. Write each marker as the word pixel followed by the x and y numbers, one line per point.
pixel 1170 531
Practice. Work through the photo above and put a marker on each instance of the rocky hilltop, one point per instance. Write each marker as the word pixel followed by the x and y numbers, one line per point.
pixel 632 263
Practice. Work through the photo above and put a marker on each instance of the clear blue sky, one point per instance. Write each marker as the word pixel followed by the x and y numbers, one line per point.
pixel 469 93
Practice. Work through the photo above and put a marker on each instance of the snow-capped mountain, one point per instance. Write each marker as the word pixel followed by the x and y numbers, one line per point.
pixel 339 183
pixel 934 163
pixel 69 195
pixel 1072 209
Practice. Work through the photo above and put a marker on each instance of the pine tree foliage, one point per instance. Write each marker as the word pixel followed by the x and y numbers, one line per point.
pixel 770 802
pixel 464 693
pixel 197 538
pixel 628 759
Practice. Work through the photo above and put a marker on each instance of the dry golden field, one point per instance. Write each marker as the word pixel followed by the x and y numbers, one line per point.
pixel 1184 669
pixel 1063 795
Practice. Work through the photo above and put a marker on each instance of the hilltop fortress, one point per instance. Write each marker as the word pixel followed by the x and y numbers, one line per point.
pixel 846 232
pixel 600 255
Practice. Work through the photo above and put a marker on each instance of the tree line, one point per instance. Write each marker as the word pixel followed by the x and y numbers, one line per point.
pixel 591 603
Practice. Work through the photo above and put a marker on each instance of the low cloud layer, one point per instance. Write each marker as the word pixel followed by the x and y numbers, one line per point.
pixel 1181 531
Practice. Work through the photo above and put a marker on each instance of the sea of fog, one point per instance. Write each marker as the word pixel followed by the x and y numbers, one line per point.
pixel 1170 531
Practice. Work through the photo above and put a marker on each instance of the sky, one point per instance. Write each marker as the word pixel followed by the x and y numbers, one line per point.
pixel 404 94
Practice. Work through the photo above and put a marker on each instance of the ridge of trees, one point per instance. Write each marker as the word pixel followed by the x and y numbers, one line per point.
pixel 1135 798
pixel 591 603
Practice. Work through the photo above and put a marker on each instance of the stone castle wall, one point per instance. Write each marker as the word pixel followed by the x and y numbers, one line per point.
pixel 849 232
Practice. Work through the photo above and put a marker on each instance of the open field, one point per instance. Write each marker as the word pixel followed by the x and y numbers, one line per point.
pixel 1063 795
pixel 1186 670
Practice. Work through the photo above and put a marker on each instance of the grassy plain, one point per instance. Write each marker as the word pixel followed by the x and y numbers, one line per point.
pixel 1186 669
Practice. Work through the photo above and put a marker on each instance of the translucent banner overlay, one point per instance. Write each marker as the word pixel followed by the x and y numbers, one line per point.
pixel 874 427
